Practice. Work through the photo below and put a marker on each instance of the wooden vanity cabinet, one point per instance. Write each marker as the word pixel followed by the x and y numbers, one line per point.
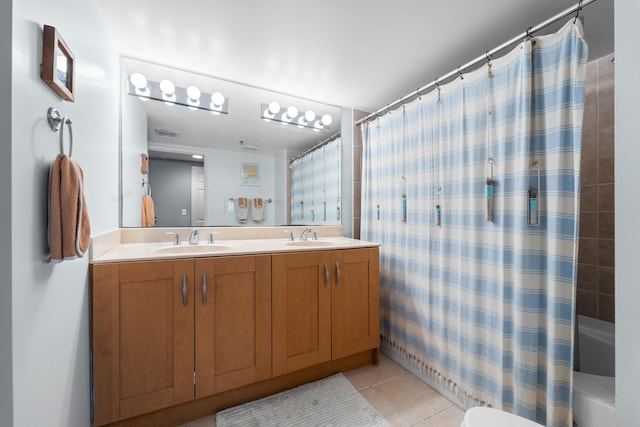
pixel 355 301
pixel 301 310
pixel 168 332
pixel 325 306
pixel 173 339
pixel 232 322
pixel 143 337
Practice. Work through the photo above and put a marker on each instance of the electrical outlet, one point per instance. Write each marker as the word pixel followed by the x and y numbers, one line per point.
pixel 217 212
pixel 184 212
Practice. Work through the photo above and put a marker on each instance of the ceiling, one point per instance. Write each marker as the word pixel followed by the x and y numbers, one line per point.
pixel 357 54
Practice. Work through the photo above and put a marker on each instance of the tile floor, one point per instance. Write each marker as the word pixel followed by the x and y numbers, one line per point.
pixel 399 396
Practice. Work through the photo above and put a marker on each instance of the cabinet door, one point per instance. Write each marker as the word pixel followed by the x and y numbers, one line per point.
pixel 233 322
pixel 301 310
pixel 142 337
pixel 355 301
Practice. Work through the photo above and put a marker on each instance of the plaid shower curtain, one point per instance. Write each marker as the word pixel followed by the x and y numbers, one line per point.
pixel 478 280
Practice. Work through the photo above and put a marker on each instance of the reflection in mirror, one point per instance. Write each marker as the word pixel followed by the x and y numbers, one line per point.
pixel 260 134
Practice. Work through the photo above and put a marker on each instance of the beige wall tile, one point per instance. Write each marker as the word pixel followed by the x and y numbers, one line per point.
pixel 605 114
pixel 606 87
pixel 606 308
pixel 587 303
pixel 589 171
pixel 588 224
pixel 606 227
pixel 606 197
pixel 606 280
pixel 606 252
pixel 589 198
pixel 606 142
pixel 590 145
pixel 606 171
pixel 605 65
pixel 587 277
pixel 588 251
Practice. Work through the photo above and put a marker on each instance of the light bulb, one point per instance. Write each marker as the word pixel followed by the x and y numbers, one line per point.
pixel 274 107
pixel 197 156
pixel 326 120
pixel 217 98
pixel 138 80
pixel 193 93
pixel 292 112
pixel 309 115
pixel 167 87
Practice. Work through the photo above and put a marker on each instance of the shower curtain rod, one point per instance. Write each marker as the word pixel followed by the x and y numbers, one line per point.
pixel 484 57
pixel 315 147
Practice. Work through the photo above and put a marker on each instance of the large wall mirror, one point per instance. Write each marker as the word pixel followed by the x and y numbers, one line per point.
pixel 221 154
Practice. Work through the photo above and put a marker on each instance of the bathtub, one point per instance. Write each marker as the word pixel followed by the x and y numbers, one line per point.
pixel 594 383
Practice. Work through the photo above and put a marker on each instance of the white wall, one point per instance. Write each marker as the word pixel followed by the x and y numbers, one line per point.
pixel 50 304
pixel 6 384
pixel 627 199
pixel 223 170
pixel 134 143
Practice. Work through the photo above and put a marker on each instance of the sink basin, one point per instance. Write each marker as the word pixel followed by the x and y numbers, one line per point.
pixel 310 243
pixel 191 249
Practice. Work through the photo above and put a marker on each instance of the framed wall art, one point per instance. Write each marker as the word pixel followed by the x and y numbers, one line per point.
pixel 250 174
pixel 58 67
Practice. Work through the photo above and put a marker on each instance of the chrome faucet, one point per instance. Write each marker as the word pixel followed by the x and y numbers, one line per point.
pixel 193 237
pixel 212 239
pixel 305 233
pixel 176 238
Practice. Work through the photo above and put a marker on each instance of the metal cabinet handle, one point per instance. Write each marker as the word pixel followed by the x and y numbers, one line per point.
pixel 326 275
pixel 204 288
pixel 338 271
pixel 184 289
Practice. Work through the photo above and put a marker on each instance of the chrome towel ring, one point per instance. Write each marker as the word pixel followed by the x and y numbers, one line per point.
pixel 57 122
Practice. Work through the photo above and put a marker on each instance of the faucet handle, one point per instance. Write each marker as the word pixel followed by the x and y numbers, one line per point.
pixel 315 235
pixel 290 233
pixel 176 238
pixel 212 240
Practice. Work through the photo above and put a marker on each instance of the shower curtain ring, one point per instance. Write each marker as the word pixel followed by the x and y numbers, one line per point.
pixel 461 76
pixel 578 10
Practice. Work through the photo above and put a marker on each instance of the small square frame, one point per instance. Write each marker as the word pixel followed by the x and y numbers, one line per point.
pixel 250 174
pixel 54 51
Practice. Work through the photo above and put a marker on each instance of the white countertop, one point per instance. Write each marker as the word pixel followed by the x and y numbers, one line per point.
pixel 166 250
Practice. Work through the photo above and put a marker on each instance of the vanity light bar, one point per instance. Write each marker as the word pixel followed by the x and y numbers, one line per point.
pixel 294 117
pixel 165 91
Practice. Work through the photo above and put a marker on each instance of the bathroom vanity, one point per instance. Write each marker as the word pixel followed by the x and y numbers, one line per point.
pixel 180 332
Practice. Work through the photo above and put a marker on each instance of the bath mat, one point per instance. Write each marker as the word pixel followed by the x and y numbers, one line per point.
pixel 332 401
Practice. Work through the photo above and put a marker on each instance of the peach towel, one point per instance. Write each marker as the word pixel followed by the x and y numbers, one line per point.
pixel 258 209
pixel 144 163
pixel 148 214
pixel 69 228
pixel 243 209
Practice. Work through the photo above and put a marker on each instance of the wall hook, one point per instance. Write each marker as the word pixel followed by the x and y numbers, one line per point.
pixel 54 118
